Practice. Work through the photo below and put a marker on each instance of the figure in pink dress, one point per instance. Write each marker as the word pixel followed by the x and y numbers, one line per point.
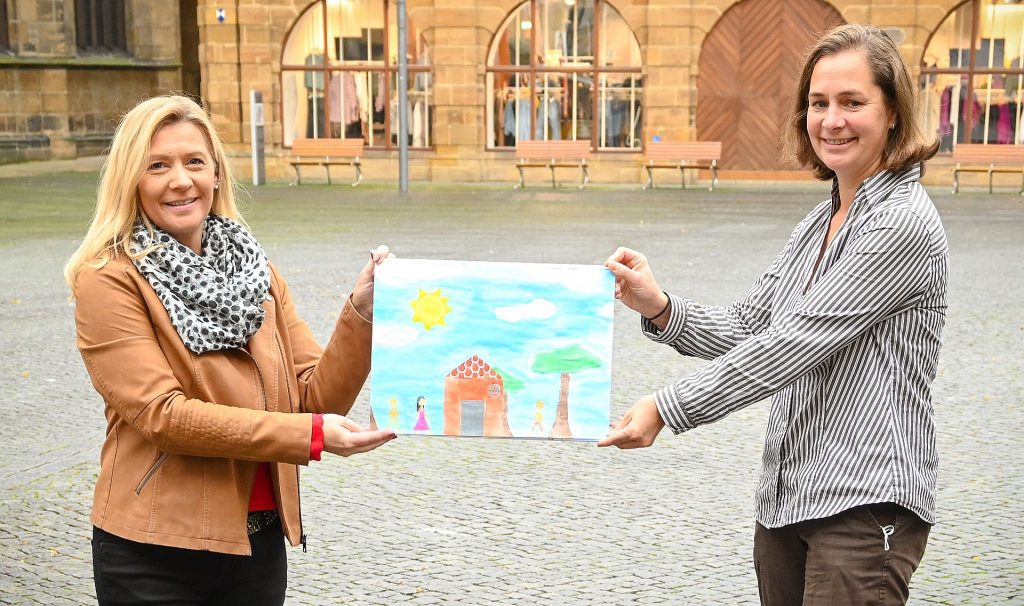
pixel 421 415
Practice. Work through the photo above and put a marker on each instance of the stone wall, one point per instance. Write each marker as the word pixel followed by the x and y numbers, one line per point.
pixel 56 103
pixel 244 52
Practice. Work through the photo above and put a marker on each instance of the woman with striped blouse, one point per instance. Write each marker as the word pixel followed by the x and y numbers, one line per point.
pixel 843 331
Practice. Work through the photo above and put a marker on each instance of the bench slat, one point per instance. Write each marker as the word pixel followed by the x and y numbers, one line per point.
pixel 996 154
pixel 693 150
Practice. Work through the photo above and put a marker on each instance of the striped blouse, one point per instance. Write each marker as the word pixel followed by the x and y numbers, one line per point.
pixel 848 355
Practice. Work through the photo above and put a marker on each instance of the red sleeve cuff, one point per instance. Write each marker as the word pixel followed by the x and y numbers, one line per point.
pixel 316 444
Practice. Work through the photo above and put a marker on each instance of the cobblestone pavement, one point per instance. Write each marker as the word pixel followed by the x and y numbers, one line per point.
pixel 475 521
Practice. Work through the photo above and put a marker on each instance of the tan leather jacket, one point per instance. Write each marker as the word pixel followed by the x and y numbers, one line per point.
pixel 184 431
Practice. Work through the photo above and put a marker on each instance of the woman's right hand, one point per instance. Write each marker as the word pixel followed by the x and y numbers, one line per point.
pixel 344 437
pixel 635 285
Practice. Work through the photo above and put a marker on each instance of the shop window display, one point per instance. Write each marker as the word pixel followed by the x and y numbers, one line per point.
pixel 339 75
pixel 565 69
pixel 971 77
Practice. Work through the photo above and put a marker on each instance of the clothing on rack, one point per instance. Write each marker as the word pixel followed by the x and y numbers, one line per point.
pixel 549 115
pixel 316 121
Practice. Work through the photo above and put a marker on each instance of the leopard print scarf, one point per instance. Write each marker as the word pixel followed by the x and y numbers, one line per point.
pixel 214 299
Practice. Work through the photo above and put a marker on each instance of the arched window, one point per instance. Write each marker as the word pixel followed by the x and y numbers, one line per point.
pixel 565 69
pixel 339 75
pixel 971 75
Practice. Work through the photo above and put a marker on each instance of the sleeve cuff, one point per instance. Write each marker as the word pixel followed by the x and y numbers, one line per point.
pixel 356 311
pixel 316 443
pixel 671 410
pixel 676 322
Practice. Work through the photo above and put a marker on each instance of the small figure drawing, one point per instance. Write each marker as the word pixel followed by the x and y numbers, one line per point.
pixel 393 413
pixel 421 414
pixel 538 419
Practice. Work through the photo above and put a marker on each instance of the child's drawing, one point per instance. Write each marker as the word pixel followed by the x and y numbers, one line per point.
pixel 480 347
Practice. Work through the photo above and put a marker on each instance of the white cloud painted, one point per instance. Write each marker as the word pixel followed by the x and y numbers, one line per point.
pixel 538 309
pixel 394 335
pixel 589 280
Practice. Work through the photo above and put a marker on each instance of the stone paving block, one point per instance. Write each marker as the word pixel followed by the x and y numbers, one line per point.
pixel 449 521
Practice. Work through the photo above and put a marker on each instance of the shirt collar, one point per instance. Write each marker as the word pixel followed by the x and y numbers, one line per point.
pixel 876 187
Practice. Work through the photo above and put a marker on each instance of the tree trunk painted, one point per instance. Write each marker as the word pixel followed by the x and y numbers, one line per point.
pixel 561 427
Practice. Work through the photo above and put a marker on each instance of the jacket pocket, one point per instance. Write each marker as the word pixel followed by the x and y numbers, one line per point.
pixel 152 472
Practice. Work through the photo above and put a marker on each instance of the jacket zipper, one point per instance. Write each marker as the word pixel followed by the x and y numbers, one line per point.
pixel 263 394
pixel 291 408
pixel 152 472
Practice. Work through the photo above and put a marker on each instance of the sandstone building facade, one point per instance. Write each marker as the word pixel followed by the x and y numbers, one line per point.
pixel 484 74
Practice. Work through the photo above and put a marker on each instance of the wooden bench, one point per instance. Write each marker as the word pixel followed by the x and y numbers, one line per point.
pixel 696 155
pixel 327 153
pixel 991 159
pixel 552 155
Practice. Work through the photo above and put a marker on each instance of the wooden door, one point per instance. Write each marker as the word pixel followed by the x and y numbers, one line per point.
pixel 749 66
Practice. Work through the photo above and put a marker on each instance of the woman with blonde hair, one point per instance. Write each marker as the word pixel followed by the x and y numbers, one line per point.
pixel 214 388
pixel 843 331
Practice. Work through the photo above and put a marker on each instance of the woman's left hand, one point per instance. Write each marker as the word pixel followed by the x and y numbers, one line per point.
pixel 362 293
pixel 638 428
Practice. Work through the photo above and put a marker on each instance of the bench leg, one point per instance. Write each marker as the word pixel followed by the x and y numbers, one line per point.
pixel 714 178
pixel 584 177
pixel 359 175
pixel 552 167
pixel 522 178
pixel 327 167
pixel 298 175
pixel 682 177
pixel 990 180
pixel 650 178
pixel 956 180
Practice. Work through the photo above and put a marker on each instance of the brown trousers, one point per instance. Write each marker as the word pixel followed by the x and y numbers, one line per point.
pixel 841 560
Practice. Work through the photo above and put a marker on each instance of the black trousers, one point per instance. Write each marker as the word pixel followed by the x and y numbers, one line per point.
pixel 842 560
pixel 127 572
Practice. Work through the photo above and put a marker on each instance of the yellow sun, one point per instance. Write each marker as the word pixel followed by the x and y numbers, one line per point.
pixel 430 308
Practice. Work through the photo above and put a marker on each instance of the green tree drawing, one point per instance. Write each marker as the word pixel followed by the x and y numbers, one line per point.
pixel 564 361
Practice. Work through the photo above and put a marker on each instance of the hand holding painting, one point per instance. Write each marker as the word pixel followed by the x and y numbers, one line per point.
pixel 362 292
pixel 345 437
pixel 636 287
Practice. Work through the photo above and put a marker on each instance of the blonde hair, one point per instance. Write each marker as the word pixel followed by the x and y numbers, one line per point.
pixel 906 144
pixel 118 207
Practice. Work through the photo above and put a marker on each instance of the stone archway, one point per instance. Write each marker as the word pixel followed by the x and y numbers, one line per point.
pixel 749 66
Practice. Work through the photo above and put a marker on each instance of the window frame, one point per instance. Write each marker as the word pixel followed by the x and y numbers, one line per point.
pixel 971 71
pixel 100 27
pixel 535 69
pixel 5 39
pixel 326 69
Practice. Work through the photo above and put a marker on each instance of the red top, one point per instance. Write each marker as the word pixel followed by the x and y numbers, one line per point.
pixel 262 498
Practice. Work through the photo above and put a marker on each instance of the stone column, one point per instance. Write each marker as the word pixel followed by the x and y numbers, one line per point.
pixel 459 48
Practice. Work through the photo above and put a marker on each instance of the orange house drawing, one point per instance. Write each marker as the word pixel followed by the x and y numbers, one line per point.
pixel 475 402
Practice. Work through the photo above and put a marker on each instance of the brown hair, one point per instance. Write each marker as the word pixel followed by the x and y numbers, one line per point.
pixel 906 144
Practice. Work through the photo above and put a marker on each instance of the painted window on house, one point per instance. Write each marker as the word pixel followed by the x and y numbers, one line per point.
pixel 339 76
pixel 972 78
pixel 565 69
pixel 100 26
